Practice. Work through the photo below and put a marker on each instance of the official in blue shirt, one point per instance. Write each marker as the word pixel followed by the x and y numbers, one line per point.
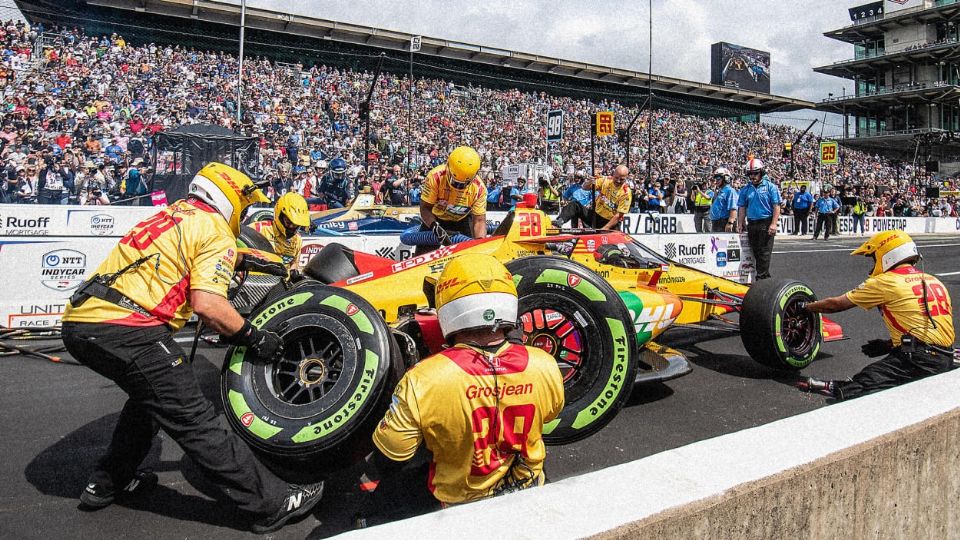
pixel 759 204
pixel 802 201
pixel 579 202
pixel 827 208
pixel 723 210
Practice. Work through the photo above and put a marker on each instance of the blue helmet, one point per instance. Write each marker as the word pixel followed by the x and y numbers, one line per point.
pixel 338 167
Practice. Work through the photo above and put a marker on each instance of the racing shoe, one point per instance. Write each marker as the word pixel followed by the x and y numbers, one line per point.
pixel 96 496
pixel 816 386
pixel 298 501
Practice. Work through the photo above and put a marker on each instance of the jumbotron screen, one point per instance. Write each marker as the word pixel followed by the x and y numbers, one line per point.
pixel 739 66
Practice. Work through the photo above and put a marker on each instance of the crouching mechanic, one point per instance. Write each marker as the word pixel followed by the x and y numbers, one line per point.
pixel 290 216
pixel 121 323
pixel 453 199
pixel 480 405
pixel 916 309
pixel 612 203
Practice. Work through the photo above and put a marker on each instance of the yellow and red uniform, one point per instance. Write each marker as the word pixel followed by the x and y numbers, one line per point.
pixel 451 204
pixel 476 412
pixel 287 249
pixel 191 247
pixel 612 199
pixel 898 294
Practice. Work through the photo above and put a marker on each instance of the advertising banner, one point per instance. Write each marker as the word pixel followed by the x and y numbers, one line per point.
pixel 24 220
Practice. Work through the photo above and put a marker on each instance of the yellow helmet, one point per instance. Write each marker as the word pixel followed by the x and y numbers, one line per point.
pixel 226 189
pixel 290 214
pixel 475 291
pixel 888 248
pixel 462 166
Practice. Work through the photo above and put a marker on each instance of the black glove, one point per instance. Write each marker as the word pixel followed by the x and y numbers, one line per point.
pixel 264 343
pixel 256 264
pixel 877 347
pixel 442 236
pixel 295 276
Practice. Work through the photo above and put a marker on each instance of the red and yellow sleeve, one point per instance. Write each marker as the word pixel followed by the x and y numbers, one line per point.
pixel 430 190
pixel 212 267
pixel 479 206
pixel 399 433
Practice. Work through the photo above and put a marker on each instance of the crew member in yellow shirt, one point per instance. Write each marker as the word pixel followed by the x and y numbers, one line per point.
pixel 916 310
pixel 453 199
pixel 479 406
pixel 290 216
pixel 612 202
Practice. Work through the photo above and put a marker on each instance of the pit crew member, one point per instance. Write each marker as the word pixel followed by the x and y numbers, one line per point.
pixel 334 189
pixel 723 209
pixel 290 217
pixel 759 203
pixel 121 323
pixel 916 309
pixel 453 199
pixel 480 405
pixel 613 199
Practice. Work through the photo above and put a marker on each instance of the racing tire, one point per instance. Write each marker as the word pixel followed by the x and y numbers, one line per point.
pixel 576 316
pixel 314 410
pixel 250 238
pixel 258 214
pixel 775 330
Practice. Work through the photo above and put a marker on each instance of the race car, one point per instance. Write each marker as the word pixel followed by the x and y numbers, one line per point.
pixel 363 216
pixel 594 300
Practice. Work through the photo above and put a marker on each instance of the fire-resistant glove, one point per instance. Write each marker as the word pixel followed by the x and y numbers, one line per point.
pixel 265 344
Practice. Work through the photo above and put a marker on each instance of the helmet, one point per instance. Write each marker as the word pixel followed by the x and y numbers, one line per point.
pixel 226 189
pixel 462 166
pixel 722 173
pixel 754 165
pixel 338 167
pixel 475 291
pixel 888 248
pixel 290 214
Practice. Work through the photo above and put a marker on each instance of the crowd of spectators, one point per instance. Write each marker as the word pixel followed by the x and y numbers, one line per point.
pixel 77 125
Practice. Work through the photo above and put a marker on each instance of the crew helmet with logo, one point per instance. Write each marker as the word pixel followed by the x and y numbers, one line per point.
pixel 755 165
pixel 722 173
pixel 462 166
pixel 226 189
pixel 338 168
pixel 290 215
pixel 888 249
pixel 475 291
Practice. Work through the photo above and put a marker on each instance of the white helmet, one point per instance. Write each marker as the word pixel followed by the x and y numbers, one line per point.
pixel 475 291
pixel 722 173
pixel 755 165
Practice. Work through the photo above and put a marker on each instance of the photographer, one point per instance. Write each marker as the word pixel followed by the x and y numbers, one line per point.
pixel 55 182
pixel 702 199
pixel 549 195
pixel 92 185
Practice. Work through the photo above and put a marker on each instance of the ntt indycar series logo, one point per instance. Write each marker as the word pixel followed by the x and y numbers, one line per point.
pixel 63 269
pixel 101 224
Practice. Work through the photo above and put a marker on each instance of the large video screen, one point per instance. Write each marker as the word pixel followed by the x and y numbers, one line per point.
pixel 739 66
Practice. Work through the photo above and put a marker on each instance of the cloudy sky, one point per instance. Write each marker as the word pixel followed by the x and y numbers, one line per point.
pixel 615 33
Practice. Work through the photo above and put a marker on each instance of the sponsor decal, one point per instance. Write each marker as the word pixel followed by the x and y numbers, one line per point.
pixel 352 226
pixel 665 279
pixel 721 259
pixel 434 255
pixel 352 309
pixel 573 280
pixel 489 315
pixel 386 252
pixel 358 279
pixel 247 419
pixel 591 244
pixel 670 250
pixel 36 316
pixel 20 226
pixel 101 224
pixel 690 255
pixel 63 269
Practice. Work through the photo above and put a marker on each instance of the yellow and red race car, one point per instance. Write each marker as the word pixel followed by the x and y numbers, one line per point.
pixel 594 300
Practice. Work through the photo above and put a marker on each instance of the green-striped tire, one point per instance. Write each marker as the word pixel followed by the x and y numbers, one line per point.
pixel 321 402
pixel 560 292
pixel 775 330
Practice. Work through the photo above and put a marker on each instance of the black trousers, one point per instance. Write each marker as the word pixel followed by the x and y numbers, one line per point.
pixel 464 226
pixel 761 243
pixel 152 369
pixel 892 370
pixel 823 222
pixel 800 221
pixel 719 225
pixel 574 211
pixel 835 224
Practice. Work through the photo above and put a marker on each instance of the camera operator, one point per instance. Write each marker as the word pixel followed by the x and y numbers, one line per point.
pixel 549 195
pixel 702 199
pixel 55 182
pixel 92 185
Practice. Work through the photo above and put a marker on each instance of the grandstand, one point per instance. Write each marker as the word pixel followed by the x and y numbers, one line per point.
pixel 293 38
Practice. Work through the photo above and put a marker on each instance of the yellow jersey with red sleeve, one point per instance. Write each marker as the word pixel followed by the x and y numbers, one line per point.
pixel 188 246
pixel 287 249
pixel 476 412
pixel 899 295
pixel 611 198
pixel 451 204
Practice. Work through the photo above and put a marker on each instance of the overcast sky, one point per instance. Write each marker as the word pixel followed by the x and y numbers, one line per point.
pixel 615 33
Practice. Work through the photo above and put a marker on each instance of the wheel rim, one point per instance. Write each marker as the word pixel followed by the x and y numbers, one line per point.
pixel 309 369
pixel 798 327
pixel 559 335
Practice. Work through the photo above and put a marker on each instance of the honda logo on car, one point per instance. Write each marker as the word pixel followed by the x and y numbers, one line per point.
pixel 63 269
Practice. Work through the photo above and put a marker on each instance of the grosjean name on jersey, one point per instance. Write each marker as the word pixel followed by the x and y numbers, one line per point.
pixel 474 391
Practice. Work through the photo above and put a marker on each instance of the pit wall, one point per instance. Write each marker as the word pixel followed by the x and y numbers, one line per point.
pixel 882 466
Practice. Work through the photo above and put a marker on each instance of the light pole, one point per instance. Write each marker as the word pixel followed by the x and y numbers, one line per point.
pixel 243 24
pixel 650 100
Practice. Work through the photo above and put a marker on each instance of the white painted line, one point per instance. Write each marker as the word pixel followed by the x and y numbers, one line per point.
pixel 922 246
pixel 949 274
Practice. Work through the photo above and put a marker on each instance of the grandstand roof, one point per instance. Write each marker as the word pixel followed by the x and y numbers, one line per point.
pixel 224 13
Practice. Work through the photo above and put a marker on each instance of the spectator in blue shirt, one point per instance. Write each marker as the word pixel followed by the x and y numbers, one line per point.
pixel 827 207
pixel 114 151
pixel 578 200
pixel 759 205
pixel 802 201
pixel 723 209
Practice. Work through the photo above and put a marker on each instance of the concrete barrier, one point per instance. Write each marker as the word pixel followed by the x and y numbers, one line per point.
pixel 883 466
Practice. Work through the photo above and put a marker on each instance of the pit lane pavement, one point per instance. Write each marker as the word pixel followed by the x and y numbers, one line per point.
pixel 57 419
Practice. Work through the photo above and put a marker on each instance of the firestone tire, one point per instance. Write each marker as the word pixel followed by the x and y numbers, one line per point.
pixel 576 316
pixel 774 329
pixel 249 237
pixel 318 406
